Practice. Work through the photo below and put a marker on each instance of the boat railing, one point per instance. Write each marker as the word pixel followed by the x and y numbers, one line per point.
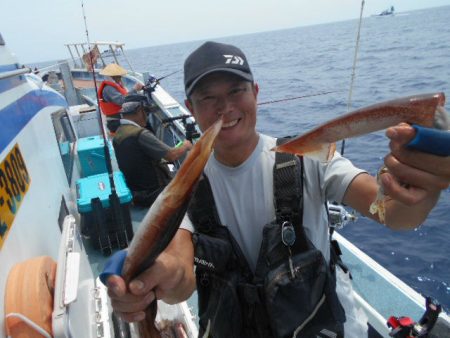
pixel 12 73
pixel 82 51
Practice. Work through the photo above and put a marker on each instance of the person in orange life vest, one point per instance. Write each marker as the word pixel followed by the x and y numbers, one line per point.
pixel 112 94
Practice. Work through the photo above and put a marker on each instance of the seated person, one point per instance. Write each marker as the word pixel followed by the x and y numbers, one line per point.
pixel 141 156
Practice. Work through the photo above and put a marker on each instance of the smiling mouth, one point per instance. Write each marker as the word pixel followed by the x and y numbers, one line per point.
pixel 230 124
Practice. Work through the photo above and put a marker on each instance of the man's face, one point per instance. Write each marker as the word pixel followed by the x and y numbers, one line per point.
pixel 226 94
pixel 117 79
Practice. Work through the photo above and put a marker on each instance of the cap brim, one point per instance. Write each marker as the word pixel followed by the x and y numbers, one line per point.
pixel 244 75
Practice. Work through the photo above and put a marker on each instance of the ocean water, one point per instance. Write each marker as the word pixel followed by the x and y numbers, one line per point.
pixel 398 56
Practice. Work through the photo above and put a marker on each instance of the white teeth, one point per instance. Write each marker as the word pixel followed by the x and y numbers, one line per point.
pixel 230 124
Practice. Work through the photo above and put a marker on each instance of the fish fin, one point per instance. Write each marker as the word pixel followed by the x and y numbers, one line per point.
pixel 331 151
pixel 323 154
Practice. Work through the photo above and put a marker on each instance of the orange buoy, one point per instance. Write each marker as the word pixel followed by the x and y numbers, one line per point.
pixel 29 293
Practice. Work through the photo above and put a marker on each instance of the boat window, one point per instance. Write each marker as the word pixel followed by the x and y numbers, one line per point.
pixel 65 136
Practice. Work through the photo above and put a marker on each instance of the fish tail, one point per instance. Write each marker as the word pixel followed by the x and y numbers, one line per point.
pixel 147 327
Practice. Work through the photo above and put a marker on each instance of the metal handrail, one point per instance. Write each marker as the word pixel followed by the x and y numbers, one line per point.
pixel 12 73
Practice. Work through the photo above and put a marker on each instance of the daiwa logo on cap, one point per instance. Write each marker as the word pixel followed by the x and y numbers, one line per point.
pixel 234 60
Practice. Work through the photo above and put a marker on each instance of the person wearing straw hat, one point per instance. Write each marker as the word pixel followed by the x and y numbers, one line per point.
pixel 112 93
pixel 141 156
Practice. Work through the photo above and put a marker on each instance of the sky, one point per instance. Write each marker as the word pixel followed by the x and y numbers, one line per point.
pixel 36 30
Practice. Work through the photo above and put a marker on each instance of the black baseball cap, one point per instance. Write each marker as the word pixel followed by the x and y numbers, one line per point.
pixel 213 57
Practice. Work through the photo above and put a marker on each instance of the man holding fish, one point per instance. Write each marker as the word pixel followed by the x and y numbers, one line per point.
pixel 263 263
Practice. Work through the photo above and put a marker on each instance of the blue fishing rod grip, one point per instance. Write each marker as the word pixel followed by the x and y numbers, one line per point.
pixel 431 140
pixel 113 265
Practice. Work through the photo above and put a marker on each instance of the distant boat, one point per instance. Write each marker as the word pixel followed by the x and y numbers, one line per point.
pixel 387 12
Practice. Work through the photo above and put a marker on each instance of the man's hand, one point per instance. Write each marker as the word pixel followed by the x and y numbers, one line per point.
pixel 413 176
pixel 138 86
pixel 412 183
pixel 170 278
pixel 176 152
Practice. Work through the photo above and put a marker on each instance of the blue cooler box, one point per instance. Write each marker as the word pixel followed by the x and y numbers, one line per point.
pixel 105 219
pixel 91 155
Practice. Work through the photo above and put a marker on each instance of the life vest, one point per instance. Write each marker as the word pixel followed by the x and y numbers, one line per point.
pixel 292 292
pixel 145 176
pixel 110 108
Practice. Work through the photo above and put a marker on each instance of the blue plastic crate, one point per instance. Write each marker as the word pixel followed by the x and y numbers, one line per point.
pixel 98 186
pixel 91 155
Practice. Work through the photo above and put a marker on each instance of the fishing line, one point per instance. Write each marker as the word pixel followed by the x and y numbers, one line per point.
pixel 355 57
pixel 297 97
pixel 170 74
pixel 126 59
pixel 100 119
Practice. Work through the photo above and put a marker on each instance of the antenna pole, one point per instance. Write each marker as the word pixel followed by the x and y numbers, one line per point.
pixel 355 57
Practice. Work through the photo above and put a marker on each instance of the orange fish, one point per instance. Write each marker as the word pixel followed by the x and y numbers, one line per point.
pixel 164 217
pixel 319 143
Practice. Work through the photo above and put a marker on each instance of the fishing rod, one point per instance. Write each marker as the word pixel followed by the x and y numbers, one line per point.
pixel 114 201
pixel 355 57
pixel 100 119
pixel 297 97
pixel 170 74
pixel 153 82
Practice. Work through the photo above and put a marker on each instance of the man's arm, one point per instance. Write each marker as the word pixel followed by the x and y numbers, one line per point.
pixel 422 178
pixel 157 149
pixel 171 278
pixel 175 153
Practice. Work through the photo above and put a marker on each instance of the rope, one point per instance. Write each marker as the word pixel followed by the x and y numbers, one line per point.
pixel 355 57
pixel 126 59
pixel 30 323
